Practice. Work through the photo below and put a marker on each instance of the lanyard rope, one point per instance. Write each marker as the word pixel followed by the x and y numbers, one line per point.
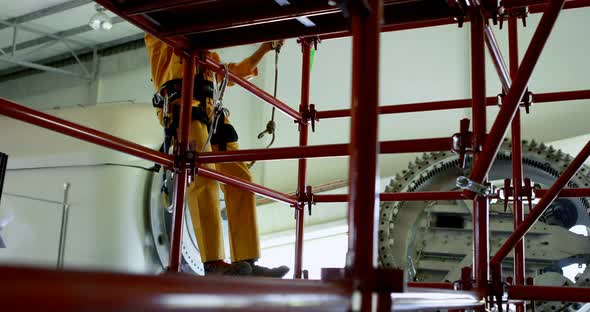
pixel 271 125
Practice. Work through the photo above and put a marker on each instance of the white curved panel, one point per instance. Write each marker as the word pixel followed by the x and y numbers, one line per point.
pixel 108 217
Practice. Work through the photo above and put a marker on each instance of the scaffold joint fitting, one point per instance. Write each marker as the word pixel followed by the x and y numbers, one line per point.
pixel 186 159
pixel 465 183
pixel 526 102
pixel 462 142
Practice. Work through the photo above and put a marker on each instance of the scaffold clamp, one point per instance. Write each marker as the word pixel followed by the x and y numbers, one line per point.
pixel 186 159
pixel 309 198
pixel 309 117
pixel 521 12
pixel 465 183
pixel 526 102
pixel 527 191
pixel 462 142
pixel 506 192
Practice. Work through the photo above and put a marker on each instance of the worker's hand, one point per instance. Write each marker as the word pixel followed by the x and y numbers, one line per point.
pixel 274 45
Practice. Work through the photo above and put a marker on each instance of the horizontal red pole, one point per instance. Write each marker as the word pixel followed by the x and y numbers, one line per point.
pixel 395 27
pixel 432 285
pixel 331 198
pixel 543 204
pixel 571 193
pixel 561 96
pixel 451 195
pixel 457 104
pixel 261 94
pixel 31 116
pixel 538 6
pixel 296 152
pixel 331 150
pixel 509 4
pixel 407 196
pixel 29 289
pixel 247 185
pixel 407 108
pixel 256 17
pixel 548 293
pixel 420 196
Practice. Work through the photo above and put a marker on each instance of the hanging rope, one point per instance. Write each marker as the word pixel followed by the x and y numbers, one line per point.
pixel 271 125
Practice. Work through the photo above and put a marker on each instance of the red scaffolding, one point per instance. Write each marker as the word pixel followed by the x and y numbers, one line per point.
pixel 191 26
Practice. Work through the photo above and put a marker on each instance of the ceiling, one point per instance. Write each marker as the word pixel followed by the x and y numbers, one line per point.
pixel 48 29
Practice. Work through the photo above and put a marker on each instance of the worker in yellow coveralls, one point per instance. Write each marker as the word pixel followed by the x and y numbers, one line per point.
pixel 203 193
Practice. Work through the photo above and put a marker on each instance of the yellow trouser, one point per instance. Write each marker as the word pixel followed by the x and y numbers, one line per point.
pixel 203 202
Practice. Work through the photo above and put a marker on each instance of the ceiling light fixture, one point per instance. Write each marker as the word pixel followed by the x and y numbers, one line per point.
pixel 100 20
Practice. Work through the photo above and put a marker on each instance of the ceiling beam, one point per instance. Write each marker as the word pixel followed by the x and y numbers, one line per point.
pixel 57 36
pixel 43 67
pixel 83 53
pixel 58 8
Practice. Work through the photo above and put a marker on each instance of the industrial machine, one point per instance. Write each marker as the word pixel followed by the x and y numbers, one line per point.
pixel 432 240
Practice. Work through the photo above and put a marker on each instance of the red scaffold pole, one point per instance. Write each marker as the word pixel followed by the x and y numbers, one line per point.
pixel 361 257
pixel 517 174
pixel 31 116
pixel 409 196
pixel 548 293
pixel 508 110
pixel 182 175
pixel 537 6
pixel 458 104
pixel 566 193
pixel 302 164
pixel 480 203
pixel 330 150
pixel 29 289
pixel 431 285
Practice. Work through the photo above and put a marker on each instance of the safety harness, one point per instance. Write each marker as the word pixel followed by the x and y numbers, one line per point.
pixel 220 132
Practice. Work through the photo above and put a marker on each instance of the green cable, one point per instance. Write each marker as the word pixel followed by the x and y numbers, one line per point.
pixel 311 59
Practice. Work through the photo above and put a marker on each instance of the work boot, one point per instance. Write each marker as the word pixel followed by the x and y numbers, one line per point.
pixel 261 271
pixel 220 267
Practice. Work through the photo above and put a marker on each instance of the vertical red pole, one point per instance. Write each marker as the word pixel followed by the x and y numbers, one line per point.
pixel 480 203
pixel 518 214
pixel 182 174
pixel 303 134
pixel 362 212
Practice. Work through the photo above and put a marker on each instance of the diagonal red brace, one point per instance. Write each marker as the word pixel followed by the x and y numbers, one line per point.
pixel 540 208
pixel 261 94
pixel 247 185
pixel 500 127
